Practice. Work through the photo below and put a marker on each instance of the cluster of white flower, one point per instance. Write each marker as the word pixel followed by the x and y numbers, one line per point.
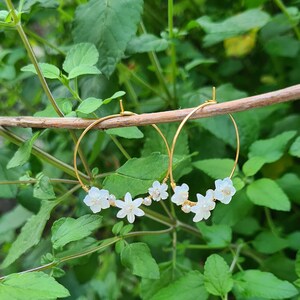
pixel 223 192
pixel 101 199
pixel 98 199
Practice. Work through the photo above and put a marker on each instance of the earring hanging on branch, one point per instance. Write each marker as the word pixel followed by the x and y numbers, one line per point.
pixel 99 199
pixel 224 189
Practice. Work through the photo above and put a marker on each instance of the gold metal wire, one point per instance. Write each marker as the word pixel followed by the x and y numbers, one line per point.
pixel 122 113
pixel 206 103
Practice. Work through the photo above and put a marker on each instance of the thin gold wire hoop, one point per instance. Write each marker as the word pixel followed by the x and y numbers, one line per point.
pixel 206 103
pixel 96 122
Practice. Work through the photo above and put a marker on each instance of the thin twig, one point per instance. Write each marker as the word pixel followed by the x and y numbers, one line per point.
pixel 288 94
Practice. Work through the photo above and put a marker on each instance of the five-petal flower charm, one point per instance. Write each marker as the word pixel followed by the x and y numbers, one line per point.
pixel 204 206
pixel 129 208
pixel 181 194
pixel 224 190
pixel 97 199
pixel 158 191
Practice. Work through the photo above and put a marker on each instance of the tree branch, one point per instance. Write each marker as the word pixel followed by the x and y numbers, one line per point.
pixel 283 95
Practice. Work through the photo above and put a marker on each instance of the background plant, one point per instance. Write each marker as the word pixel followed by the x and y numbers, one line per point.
pixel 90 53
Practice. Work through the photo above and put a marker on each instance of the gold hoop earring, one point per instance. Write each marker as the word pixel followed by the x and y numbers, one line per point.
pixel 98 199
pixel 224 189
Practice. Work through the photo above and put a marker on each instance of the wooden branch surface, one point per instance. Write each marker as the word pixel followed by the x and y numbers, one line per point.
pixel 283 95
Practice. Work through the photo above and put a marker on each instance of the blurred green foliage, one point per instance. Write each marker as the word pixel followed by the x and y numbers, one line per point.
pixel 164 56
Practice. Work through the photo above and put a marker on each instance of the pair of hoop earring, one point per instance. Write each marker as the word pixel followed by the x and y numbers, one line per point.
pixel 99 199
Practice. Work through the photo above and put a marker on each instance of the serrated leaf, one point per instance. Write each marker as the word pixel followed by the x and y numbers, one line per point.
pixel 146 43
pixel 271 149
pixel 83 70
pixel 137 257
pixel 216 235
pixel 22 155
pixel 150 168
pixel 253 165
pixel 43 188
pixel 295 148
pixel 33 286
pixel 66 230
pixel 127 132
pixel 217 277
pixel 117 227
pixel 254 283
pixel 233 26
pixel 115 23
pixel 30 233
pixel 217 168
pixel 266 192
pixel 89 105
pixel 188 287
pixel 49 71
pixel 267 243
pixel 83 54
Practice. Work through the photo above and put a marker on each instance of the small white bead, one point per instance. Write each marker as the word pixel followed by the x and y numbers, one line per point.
pixel 186 208
pixel 147 201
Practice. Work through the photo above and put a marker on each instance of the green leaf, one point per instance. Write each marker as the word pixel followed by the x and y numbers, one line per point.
pixel 199 61
pixel 217 277
pixel 233 26
pixel 217 168
pixel 89 105
pixel 66 230
pixel 297 267
pixel 271 149
pixel 216 235
pixel 290 183
pixel 116 95
pixel 246 226
pixel 267 243
pixel 283 46
pixel 253 165
pixel 19 214
pixel 254 283
pixel 115 23
pixel 146 43
pixel 127 132
pixel 137 174
pixel 83 54
pixel 188 287
pixel 295 148
pixel 49 71
pixel 7 191
pixel 117 227
pixel 266 192
pixel 22 155
pixel 126 229
pixel 137 257
pixel 30 234
pixel 239 208
pixel 33 286
pixel 83 70
pixel 43 188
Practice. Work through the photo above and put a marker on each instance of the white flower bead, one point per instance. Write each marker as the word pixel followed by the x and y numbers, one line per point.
pixel 158 191
pixel 204 206
pixel 97 199
pixel 129 208
pixel 112 200
pixel 224 190
pixel 147 201
pixel 186 208
pixel 181 194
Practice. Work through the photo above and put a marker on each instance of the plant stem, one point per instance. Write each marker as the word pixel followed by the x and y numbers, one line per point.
pixel 236 257
pixel 120 147
pixel 172 49
pixel 42 155
pixel 283 8
pixel 42 79
pixel 54 180
pixel 201 247
pixel 270 222
pixel 158 70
